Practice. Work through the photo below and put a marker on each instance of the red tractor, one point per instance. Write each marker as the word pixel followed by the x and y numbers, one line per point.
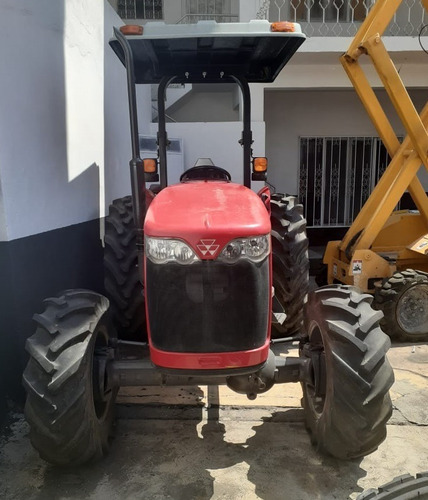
pixel 202 275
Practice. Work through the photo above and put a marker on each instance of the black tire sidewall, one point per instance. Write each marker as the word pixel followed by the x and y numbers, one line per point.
pixel 318 423
pixel 101 427
pixel 358 375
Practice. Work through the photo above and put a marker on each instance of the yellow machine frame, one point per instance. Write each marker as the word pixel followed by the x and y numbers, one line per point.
pixel 380 241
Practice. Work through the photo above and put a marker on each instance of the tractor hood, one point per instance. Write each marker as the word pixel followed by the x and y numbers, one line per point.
pixel 207 215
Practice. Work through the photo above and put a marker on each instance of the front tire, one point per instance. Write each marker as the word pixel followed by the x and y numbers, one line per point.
pixel 347 403
pixel 290 262
pixel 70 402
pixel 403 298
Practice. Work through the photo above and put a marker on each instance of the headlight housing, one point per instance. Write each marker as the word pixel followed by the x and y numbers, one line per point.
pixel 254 248
pixel 163 250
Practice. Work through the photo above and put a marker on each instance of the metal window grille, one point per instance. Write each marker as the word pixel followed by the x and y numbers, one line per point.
pixel 140 9
pixel 337 175
pixel 217 10
pixel 341 17
pixel 329 10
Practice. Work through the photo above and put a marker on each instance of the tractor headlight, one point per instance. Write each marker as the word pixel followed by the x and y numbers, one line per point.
pixel 255 248
pixel 162 250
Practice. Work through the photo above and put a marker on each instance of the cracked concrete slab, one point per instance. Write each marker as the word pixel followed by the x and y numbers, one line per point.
pixel 204 443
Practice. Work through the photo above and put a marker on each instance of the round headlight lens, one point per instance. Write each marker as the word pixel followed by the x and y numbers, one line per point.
pixel 255 248
pixel 157 250
pixel 232 251
pixel 183 253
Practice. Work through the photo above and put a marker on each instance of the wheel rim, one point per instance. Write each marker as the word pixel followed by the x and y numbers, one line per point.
pixel 412 309
pixel 316 390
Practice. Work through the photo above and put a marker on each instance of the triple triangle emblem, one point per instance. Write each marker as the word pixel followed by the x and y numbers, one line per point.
pixel 207 247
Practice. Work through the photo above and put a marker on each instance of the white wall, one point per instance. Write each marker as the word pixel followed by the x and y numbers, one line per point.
pixel 51 125
pixel 116 117
pixel 295 113
pixel 215 104
pixel 197 106
pixel 118 150
pixel 248 9
pixel 172 11
pixel 54 106
pixel 312 62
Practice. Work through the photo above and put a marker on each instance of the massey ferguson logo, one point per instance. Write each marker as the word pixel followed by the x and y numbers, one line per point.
pixel 207 247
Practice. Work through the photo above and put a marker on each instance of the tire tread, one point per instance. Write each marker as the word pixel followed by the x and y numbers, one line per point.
pixel 359 375
pixel 290 261
pixel 122 280
pixel 63 426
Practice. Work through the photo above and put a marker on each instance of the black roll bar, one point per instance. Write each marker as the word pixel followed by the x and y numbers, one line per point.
pixel 247 136
pixel 132 99
pixel 138 183
pixel 162 134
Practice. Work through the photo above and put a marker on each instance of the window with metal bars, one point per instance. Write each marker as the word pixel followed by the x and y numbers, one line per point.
pixel 329 10
pixel 140 9
pixel 217 10
pixel 208 6
pixel 337 175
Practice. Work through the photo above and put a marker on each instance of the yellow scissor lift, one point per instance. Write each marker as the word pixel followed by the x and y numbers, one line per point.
pixel 386 252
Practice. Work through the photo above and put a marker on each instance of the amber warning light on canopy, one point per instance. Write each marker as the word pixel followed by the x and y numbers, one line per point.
pixel 150 165
pixel 131 29
pixel 260 164
pixel 283 26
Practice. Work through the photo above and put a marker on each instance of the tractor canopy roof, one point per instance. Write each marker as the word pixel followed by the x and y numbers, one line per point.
pixel 208 51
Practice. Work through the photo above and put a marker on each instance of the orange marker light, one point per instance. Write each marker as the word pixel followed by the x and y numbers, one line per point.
pixel 150 165
pixel 260 164
pixel 283 26
pixel 131 29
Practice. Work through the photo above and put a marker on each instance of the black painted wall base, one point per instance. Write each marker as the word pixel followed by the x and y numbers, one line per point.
pixel 32 269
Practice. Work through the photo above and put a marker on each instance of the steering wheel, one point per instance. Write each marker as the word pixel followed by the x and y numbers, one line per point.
pixel 204 172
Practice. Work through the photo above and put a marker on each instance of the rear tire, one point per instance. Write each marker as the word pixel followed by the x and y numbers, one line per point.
pixel 69 403
pixel 403 298
pixel 347 403
pixel 122 277
pixel 290 262
pixel 403 487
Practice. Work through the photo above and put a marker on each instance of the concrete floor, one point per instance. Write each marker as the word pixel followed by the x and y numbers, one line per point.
pixel 178 444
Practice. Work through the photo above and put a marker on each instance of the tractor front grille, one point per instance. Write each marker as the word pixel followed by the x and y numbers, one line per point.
pixel 208 306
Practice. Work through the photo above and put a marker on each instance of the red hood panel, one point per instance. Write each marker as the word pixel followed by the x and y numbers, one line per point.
pixel 207 215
